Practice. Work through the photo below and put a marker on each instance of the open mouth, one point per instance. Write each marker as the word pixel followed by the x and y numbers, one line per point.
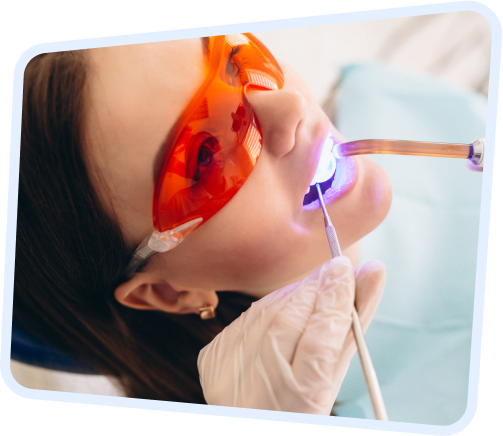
pixel 325 173
pixel 312 195
pixel 341 182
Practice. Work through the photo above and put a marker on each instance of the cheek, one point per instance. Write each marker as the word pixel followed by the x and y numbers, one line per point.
pixel 252 236
pixel 236 261
pixel 246 245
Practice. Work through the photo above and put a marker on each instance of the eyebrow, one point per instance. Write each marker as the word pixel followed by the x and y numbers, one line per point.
pixel 205 41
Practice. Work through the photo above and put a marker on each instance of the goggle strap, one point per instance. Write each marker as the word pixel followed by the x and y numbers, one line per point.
pixel 161 242
pixel 141 254
pixel 158 242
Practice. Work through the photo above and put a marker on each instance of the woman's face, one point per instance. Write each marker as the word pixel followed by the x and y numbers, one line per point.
pixel 263 238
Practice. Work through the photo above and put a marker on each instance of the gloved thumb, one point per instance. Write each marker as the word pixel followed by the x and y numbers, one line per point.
pixel 370 279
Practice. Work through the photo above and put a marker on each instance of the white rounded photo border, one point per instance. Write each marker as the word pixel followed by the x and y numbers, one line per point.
pixel 255 27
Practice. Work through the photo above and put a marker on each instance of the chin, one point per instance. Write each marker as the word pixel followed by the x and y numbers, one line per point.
pixel 363 205
pixel 376 194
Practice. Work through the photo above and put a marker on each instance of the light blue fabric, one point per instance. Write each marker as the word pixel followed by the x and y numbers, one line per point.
pixel 421 334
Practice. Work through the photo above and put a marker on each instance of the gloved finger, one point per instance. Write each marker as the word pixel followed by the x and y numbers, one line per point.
pixel 370 279
pixel 289 323
pixel 264 310
pixel 316 358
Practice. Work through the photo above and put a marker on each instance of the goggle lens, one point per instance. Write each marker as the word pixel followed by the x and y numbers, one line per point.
pixel 217 140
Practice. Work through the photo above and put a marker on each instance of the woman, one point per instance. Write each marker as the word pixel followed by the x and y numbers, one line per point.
pixel 95 124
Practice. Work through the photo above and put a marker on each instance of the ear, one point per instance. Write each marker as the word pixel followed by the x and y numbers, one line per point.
pixel 146 291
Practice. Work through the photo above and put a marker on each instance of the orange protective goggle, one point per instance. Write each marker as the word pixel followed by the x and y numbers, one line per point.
pixel 213 146
pixel 217 140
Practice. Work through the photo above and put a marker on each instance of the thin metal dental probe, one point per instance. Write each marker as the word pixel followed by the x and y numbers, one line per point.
pixel 363 351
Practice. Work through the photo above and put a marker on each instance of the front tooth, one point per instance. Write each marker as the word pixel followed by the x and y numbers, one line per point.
pixel 308 189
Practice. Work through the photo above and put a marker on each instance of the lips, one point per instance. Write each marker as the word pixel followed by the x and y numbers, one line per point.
pixel 325 171
pixel 312 194
pixel 338 185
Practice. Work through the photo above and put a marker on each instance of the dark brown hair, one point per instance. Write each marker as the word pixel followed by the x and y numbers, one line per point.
pixel 70 254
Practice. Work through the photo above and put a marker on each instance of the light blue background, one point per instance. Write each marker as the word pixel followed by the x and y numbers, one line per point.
pixel 420 337
pixel 25 411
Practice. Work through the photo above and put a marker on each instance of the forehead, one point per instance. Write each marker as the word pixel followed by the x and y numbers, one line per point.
pixel 161 75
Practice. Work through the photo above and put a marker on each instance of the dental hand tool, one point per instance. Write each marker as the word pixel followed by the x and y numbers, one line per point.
pixel 366 362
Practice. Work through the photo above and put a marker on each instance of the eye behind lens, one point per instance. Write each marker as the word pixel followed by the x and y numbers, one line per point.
pixel 205 156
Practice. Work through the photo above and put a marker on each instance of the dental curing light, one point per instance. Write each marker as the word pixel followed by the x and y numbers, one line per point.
pixel 474 152
pixel 327 164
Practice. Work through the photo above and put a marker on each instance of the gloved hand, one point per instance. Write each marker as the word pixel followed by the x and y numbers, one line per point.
pixel 291 350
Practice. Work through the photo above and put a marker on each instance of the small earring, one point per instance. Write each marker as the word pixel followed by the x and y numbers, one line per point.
pixel 207 312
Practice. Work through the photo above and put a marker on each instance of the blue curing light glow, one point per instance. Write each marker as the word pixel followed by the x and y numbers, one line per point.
pixel 335 151
pixel 327 163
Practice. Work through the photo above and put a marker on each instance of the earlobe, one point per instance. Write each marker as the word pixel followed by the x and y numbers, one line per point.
pixel 144 292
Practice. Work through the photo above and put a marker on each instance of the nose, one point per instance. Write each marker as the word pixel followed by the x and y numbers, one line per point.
pixel 279 113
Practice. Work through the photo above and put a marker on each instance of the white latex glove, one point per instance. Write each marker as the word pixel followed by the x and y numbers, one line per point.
pixel 291 350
